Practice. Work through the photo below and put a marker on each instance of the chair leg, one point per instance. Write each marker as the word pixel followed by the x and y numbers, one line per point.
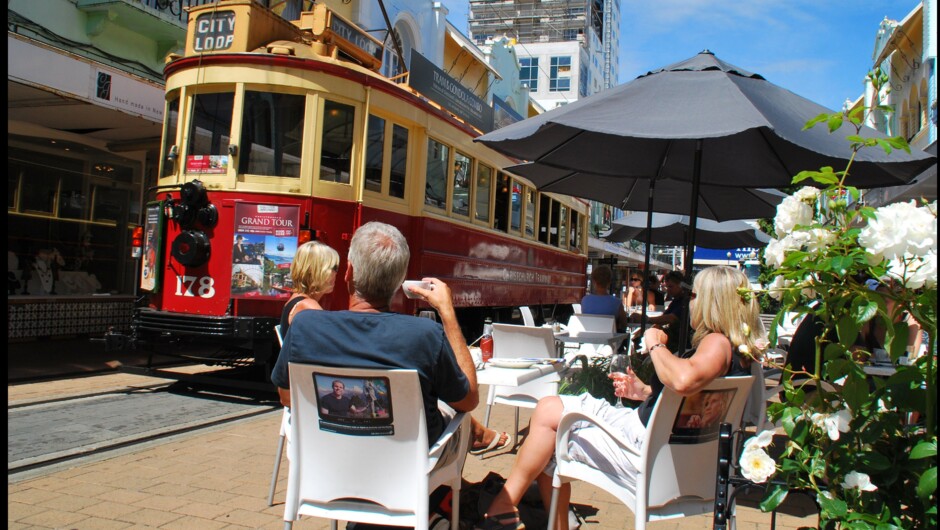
pixel 277 467
pixel 490 396
pixel 455 504
pixel 333 524
pixel 515 434
pixel 553 508
pixel 288 525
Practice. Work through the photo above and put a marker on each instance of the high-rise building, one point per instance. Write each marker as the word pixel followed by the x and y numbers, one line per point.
pixel 567 49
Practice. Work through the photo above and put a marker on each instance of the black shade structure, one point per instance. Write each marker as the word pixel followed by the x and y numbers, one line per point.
pixel 672 229
pixel 719 203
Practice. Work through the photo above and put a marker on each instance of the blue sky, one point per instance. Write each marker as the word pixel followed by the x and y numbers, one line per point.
pixel 819 49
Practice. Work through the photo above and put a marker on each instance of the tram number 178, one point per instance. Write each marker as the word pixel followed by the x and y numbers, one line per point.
pixel 203 286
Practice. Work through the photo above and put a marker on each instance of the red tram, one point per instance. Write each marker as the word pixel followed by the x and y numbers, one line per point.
pixel 276 133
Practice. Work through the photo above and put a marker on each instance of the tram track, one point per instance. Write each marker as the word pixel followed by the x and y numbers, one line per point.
pixel 48 433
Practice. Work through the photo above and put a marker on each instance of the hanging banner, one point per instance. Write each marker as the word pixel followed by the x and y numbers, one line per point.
pixel 263 250
pixel 436 85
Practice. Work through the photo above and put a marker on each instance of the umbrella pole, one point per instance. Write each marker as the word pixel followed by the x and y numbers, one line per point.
pixel 690 245
pixel 649 247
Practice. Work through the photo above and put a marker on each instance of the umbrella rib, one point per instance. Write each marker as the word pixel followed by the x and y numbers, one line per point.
pixel 560 145
pixel 770 147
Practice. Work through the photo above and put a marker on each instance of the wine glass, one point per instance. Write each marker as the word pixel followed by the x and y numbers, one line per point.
pixel 619 362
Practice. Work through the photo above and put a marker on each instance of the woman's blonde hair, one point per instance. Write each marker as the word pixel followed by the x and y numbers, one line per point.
pixel 312 266
pixel 721 306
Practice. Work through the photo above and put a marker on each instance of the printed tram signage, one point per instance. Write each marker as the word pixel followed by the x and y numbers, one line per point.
pixel 443 89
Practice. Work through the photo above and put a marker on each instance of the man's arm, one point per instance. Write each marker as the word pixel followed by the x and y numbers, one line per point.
pixel 441 300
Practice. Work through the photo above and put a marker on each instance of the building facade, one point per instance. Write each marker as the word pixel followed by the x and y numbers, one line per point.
pixel 905 52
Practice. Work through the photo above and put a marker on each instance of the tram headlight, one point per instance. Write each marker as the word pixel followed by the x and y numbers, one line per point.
pixel 191 248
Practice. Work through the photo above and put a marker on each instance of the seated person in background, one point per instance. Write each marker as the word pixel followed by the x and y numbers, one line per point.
pixel 676 312
pixel 718 316
pixel 369 336
pixel 653 284
pixel 636 294
pixel 600 301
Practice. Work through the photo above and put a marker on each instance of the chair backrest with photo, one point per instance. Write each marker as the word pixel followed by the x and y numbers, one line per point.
pixel 676 465
pixel 516 342
pixel 375 466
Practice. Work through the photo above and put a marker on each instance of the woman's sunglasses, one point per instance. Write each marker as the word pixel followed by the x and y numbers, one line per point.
pixel 634 279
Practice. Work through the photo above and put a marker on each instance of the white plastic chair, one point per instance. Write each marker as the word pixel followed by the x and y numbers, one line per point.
pixel 514 342
pixel 527 318
pixel 588 322
pixel 676 475
pixel 283 435
pixel 370 470
pixel 576 308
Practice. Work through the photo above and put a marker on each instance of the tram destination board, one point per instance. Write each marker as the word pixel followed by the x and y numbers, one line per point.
pixel 214 31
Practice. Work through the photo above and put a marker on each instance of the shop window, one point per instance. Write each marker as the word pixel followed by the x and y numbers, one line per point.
pixel 73 198
pixel 375 153
pixel 110 204
pixel 170 148
pixel 337 142
pixel 435 189
pixel 209 133
pixel 272 134
pixel 484 188
pixel 396 185
pixel 460 201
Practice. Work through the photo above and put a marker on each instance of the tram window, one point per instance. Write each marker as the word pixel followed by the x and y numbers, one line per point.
pixel 529 212
pixel 172 120
pixel 460 203
pixel 375 153
pixel 545 210
pixel 337 142
pixel 209 132
pixel 553 224
pixel 484 186
pixel 272 134
pixel 501 204
pixel 563 227
pixel 577 221
pixel 396 185
pixel 435 189
pixel 515 218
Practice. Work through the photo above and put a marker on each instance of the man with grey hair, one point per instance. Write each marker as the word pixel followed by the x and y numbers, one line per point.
pixel 369 336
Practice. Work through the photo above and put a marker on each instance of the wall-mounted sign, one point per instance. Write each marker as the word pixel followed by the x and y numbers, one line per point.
pixel 503 114
pixel 443 89
pixel 215 31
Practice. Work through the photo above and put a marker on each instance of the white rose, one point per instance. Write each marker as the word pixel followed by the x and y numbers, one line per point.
pixel 915 272
pixel 900 229
pixel 834 423
pixel 792 212
pixel 759 442
pixel 860 481
pixel 757 466
pixel 807 194
pixel 776 250
pixel 776 287
pixel 819 239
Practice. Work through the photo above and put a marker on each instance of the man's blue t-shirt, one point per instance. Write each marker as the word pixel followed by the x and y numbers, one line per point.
pixel 599 304
pixel 355 339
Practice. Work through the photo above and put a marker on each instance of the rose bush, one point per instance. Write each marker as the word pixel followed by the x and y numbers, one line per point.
pixel 866 446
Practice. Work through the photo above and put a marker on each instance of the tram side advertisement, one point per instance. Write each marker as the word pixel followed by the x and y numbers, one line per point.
pixel 263 250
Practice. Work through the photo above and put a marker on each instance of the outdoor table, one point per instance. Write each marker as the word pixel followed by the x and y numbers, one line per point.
pixel 494 375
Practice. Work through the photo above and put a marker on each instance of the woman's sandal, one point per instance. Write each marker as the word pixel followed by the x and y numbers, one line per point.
pixel 501 521
pixel 494 445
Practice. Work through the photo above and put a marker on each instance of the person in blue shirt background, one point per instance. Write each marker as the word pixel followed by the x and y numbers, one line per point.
pixel 599 301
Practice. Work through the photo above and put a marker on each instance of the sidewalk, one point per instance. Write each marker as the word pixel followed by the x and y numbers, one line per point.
pixel 219 478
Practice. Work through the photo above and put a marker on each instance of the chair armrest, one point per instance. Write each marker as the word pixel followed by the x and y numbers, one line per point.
pixel 570 418
pixel 453 428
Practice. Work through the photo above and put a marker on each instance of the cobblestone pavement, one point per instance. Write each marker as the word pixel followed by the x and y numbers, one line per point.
pixel 219 478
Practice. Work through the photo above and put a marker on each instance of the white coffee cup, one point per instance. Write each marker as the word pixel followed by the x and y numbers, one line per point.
pixel 405 286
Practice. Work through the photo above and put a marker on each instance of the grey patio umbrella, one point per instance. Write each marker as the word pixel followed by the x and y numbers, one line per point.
pixel 671 229
pixel 721 203
pixel 704 121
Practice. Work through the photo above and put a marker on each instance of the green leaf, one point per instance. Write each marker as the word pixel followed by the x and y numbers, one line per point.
pixel 874 460
pixel 896 342
pixel 834 122
pixel 927 484
pixel 847 329
pixel 835 507
pixel 924 449
pixel 855 390
pixel 863 309
pixel 812 123
pixel 774 497
pixel 886 145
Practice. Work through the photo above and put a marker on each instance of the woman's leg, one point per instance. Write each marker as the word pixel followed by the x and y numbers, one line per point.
pixel 534 455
